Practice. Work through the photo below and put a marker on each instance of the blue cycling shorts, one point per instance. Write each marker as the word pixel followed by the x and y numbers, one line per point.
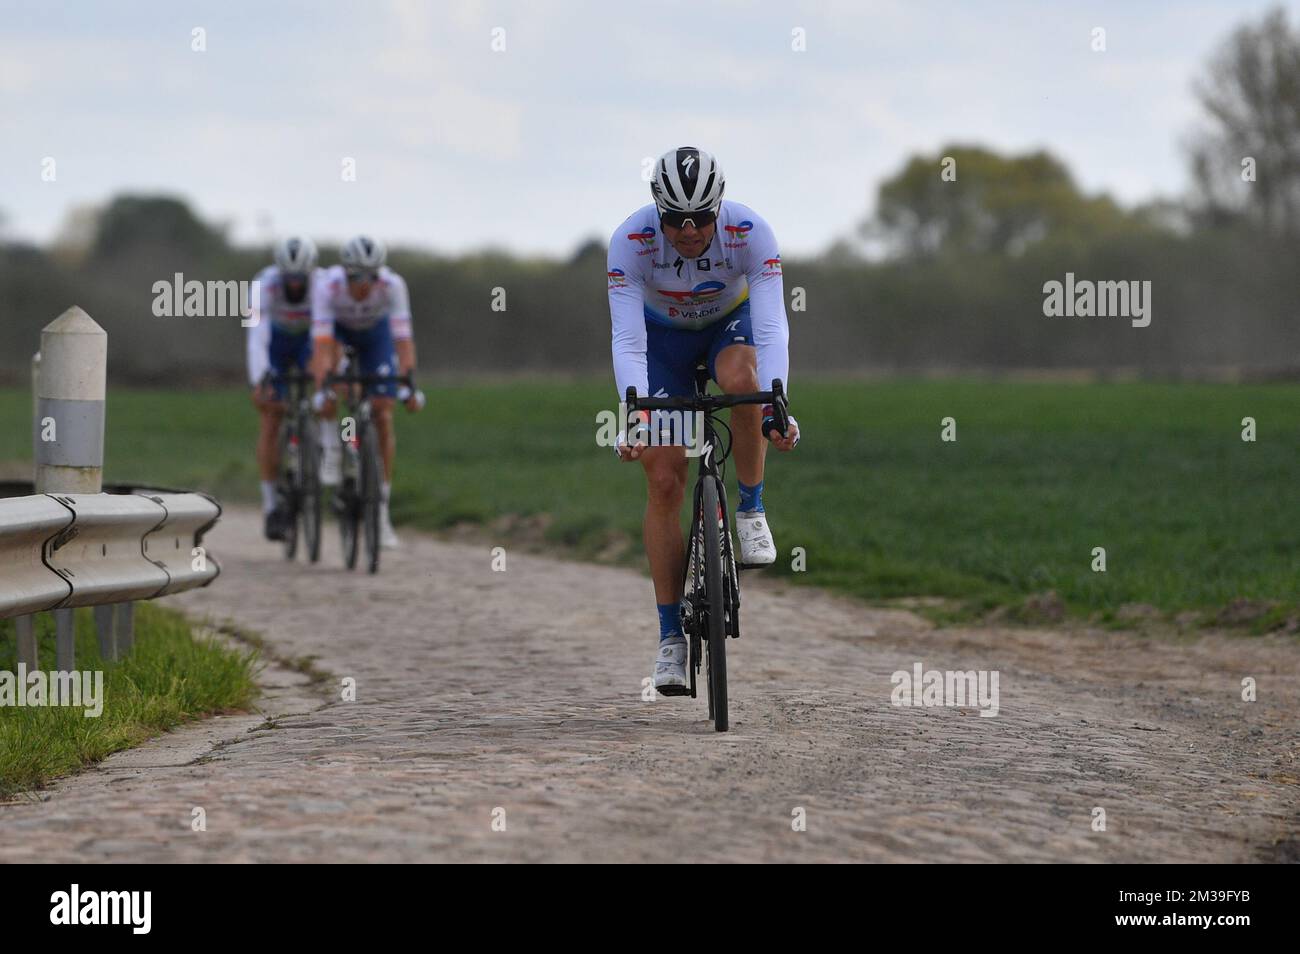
pixel 672 354
pixel 287 351
pixel 376 354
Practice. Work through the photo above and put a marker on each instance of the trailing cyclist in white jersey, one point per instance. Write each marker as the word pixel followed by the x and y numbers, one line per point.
pixel 363 304
pixel 278 342
pixel 693 280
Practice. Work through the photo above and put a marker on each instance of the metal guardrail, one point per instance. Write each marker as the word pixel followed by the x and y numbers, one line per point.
pixel 61 551
pixel 70 545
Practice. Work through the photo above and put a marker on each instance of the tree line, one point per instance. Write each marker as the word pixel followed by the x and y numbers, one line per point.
pixel 947 274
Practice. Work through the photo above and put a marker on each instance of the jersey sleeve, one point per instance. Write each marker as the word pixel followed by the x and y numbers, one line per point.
pixel 627 317
pixel 258 338
pixel 322 305
pixel 399 307
pixel 767 307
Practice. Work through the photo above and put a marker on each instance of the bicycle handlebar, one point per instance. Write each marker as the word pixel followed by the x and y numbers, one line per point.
pixel 348 378
pixel 779 420
pixel 293 374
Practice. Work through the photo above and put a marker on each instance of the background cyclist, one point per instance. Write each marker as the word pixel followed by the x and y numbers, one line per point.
pixel 278 339
pixel 364 304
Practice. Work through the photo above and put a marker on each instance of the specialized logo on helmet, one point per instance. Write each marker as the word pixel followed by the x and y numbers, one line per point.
pixel 617 278
pixel 701 294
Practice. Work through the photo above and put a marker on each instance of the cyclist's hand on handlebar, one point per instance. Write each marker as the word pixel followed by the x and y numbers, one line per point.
pixel 782 442
pixel 628 452
pixel 412 398
pixel 263 394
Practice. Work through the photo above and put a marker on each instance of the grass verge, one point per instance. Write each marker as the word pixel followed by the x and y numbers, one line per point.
pixel 170 677
pixel 1193 519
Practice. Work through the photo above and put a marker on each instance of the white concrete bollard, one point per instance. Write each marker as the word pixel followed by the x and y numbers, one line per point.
pixel 70 391
pixel 69 449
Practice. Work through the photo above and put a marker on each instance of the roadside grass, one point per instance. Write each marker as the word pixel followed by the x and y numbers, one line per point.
pixel 170 677
pixel 1192 518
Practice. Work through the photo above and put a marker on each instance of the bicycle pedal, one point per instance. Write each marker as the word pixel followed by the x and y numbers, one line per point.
pixel 752 566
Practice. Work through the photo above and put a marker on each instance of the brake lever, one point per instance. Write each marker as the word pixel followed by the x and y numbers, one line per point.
pixel 780 417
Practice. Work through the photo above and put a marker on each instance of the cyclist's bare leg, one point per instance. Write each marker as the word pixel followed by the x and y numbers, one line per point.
pixel 381 414
pixel 324 359
pixel 268 445
pixel 665 471
pixel 737 370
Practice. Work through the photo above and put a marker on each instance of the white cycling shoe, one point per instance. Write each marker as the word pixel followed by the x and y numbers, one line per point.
pixel 670 667
pixel 387 535
pixel 756 546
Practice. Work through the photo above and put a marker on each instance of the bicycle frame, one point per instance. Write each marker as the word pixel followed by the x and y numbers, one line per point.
pixel 357 501
pixel 297 480
pixel 709 557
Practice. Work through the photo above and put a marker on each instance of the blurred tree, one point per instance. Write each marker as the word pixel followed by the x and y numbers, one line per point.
pixel 593 250
pixel 76 235
pixel 1252 95
pixel 970 199
pixel 154 222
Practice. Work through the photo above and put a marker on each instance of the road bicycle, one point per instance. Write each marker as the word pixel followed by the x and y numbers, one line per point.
pixel 357 501
pixel 298 489
pixel 711 588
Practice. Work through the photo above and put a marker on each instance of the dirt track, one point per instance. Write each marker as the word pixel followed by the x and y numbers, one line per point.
pixel 521 691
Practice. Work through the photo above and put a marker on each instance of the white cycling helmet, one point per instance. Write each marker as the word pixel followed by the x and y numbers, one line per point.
pixel 363 252
pixel 296 255
pixel 687 179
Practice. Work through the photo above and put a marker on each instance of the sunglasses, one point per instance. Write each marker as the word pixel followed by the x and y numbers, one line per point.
pixel 362 276
pixel 678 220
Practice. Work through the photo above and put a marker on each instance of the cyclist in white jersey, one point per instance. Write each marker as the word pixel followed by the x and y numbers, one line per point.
pixel 695 279
pixel 364 304
pixel 278 339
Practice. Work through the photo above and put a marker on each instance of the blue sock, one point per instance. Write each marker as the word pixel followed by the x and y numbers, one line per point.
pixel 670 620
pixel 751 498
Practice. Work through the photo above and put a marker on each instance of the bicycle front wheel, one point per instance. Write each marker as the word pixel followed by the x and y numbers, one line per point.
pixel 347 505
pixel 310 497
pixel 371 469
pixel 715 623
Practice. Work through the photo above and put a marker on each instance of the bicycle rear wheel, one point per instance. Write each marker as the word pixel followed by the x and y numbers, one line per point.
pixel 371 468
pixel 287 490
pixel 715 634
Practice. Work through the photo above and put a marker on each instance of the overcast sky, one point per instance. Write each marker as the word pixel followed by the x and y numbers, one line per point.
pixel 539 146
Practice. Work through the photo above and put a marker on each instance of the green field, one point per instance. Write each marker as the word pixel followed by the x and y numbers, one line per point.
pixel 1191 516
pixel 168 678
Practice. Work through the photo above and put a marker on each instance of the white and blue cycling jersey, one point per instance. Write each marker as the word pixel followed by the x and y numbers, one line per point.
pixel 278 331
pixel 651 286
pixel 369 326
